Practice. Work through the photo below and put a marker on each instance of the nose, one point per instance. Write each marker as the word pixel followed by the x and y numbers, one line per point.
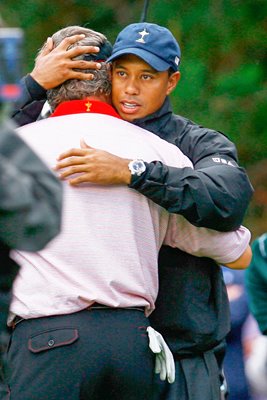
pixel 132 86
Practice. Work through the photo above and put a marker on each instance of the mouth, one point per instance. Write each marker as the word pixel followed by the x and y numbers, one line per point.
pixel 129 107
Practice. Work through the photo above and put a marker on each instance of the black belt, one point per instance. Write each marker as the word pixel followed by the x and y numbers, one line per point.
pixel 94 306
pixel 98 306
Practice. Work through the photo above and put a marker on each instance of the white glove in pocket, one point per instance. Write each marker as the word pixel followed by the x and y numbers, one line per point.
pixel 164 363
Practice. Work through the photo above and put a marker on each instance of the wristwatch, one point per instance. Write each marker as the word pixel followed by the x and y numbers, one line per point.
pixel 137 167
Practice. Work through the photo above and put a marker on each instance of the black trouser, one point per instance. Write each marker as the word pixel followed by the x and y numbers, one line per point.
pixel 89 355
pixel 196 378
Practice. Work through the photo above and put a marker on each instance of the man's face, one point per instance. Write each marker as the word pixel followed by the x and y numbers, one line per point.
pixel 137 89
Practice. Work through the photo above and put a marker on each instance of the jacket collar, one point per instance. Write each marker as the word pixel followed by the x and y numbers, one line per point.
pixel 162 114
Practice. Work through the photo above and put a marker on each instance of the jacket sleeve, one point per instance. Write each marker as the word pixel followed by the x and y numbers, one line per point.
pixel 214 195
pixel 29 105
pixel 30 195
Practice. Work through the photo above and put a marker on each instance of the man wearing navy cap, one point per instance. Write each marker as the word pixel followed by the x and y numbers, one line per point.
pixel 154 44
pixel 152 50
pixel 192 307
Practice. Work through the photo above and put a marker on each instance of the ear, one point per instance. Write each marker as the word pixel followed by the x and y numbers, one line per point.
pixel 173 81
pixel 109 69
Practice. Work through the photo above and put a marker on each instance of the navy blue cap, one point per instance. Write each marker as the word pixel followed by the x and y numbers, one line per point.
pixel 155 44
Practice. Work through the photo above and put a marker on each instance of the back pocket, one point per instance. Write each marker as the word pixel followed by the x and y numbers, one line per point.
pixel 51 339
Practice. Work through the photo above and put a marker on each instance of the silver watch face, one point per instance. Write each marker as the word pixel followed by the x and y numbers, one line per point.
pixel 137 167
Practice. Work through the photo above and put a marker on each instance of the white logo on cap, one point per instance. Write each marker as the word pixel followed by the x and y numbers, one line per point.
pixel 143 34
pixel 177 60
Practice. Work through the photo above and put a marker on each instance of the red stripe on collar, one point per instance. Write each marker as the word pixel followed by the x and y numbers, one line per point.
pixel 84 106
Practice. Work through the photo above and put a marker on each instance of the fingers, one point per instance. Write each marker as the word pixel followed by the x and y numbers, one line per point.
pixel 84 145
pixel 70 164
pixel 157 364
pixel 63 47
pixel 80 63
pixel 53 66
pixel 79 179
pixel 83 64
pixel 163 373
pixel 171 372
pixel 47 48
pixel 72 153
pixel 49 44
pixel 79 169
pixel 163 369
pixel 78 50
pixel 68 73
pixel 68 41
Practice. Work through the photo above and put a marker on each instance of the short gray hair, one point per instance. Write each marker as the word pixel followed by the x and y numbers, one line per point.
pixel 75 89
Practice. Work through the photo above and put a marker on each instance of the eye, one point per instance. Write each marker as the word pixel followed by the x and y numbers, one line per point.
pixel 121 73
pixel 146 77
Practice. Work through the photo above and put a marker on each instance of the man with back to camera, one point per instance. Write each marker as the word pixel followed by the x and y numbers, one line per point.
pixel 205 196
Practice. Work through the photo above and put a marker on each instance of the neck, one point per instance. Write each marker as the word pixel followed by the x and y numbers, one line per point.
pixel 100 97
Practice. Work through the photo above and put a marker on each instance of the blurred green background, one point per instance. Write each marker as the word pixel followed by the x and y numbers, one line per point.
pixel 224 63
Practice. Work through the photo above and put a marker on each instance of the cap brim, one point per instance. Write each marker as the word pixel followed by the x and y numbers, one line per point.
pixel 154 61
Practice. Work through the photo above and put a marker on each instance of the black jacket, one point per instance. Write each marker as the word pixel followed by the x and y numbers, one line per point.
pixel 8 271
pixel 30 194
pixel 192 307
pixel 30 210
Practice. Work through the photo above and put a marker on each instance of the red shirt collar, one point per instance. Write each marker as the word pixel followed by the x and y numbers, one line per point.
pixel 84 106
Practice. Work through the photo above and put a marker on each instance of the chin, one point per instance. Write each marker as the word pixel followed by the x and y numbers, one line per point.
pixel 128 118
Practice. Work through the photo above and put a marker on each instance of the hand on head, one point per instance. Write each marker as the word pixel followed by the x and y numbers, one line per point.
pixel 54 66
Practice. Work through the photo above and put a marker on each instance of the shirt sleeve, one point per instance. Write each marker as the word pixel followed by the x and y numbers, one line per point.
pixel 223 247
